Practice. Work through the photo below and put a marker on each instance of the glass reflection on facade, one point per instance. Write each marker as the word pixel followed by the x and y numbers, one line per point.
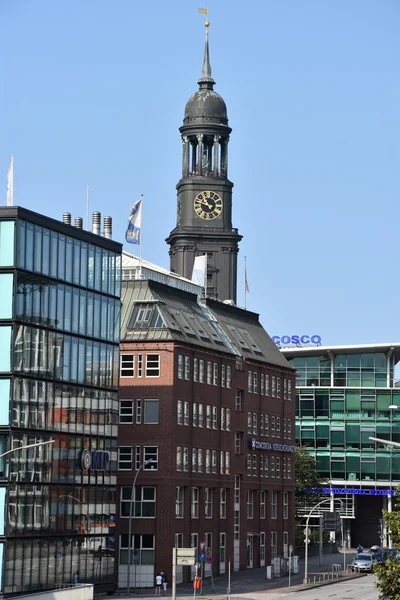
pixel 59 370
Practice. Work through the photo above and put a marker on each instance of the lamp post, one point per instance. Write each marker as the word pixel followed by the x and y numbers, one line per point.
pixel 145 464
pixel 18 448
pixel 306 540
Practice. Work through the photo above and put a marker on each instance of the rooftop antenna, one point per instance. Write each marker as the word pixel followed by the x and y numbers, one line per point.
pixel 87 206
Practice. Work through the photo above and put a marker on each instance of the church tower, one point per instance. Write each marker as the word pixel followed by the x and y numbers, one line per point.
pixel 204 211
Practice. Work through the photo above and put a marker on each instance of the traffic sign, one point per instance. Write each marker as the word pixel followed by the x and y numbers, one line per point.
pixel 201 557
pixel 306 540
pixel 185 556
pixel 290 548
pixel 209 559
pixel 305 531
pixel 202 546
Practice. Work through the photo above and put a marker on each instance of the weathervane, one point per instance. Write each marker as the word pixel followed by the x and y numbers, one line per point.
pixel 204 11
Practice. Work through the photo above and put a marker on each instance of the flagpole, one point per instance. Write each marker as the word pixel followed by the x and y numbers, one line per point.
pixel 10 183
pixel 141 242
pixel 87 206
pixel 245 282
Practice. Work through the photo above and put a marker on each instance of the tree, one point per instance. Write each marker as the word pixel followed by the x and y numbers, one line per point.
pixel 308 487
pixel 388 575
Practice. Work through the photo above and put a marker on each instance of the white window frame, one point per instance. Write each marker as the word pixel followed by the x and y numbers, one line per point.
pixel 125 458
pixel 250 382
pixel 186 413
pixel 239 400
pixel 187 368
pixel 250 504
pixel 228 419
pixel 209 372
pixel 222 503
pixel 126 411
pixel 179 458
pixel 179 412
pixel 215 374
pixel 274 504
pixel 194 502
pixel 180 366
pixel 123 368
pixel 201 371
pixel 285 514
pixel 223 376
pixel 208 503
pixel 215 417
pixel 195 369
pixel 179 502
pixel 149 370
pixel 263 501
pixel 228 377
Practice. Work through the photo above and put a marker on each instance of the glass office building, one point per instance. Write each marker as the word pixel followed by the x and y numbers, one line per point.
pixel 345 396
pixel 60 292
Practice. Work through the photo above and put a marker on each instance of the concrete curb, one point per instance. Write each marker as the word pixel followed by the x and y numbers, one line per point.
pixel 318 584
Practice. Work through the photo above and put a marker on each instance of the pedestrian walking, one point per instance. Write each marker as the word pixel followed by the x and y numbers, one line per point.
pixel 158 584
pixel 164 582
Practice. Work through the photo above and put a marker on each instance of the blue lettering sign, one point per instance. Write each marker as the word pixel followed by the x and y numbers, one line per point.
pixel 355 491
pixel 296 340
pixel 256 445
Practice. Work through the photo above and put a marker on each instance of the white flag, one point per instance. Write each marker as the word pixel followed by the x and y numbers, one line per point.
pixel 10 183
pixel 200 270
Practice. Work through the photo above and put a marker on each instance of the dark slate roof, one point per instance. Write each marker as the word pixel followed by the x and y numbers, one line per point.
pixel 153 311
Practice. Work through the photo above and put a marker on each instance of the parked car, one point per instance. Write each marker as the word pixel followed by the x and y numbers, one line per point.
pixel 389 554
pixel 374 548
pixel 363 562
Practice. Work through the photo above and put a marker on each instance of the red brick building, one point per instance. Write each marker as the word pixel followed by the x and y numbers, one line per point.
pixel 209 399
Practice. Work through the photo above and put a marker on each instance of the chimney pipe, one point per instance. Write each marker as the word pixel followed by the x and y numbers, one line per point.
pixel 96 222
pixel 78 222
pixel 108 227
pixel 67 218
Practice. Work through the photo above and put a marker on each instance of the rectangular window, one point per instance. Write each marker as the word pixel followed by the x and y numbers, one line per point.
pixel 209 542
pixel 273 386
pixel 214 417
pixel 144 502
pixel 250 382
pixel 254 423
pixel 138 412
pixel 201 415
pixel 186 459
pixel 278 427
pixel 187 368
pixel 209 373
pixel 284 469
pixel 227 463
pixel 289 429
pixel 248 464
pixel 289 468
pixel 285 505
pixel 7 230
pixel 208 461
pixel 138 455
pixel 208 416
pixel 261 466
pixel 262 548
pixel 285 388
pixel 255 382
pixel 238 442
pixel 208 503
pixel 262 384
pixel 180 366
pixel 289 389
pixel 267 385
pixel 274 507
pixel 262 504
pixel 201 371
pixel 222 548
pixel 266 470
pixel 272 426
pixel 150 458
pixel 194 414
pixel 228 419
pixel 278 387
pixel 126 411
pixel 266 425
pixel 254 465
pixel 228 377
pixel 179 502
pixel 261 425
pixel 140 365
pixel 194 503
pixel 223 376
pixel 215 374
pixel 250 504
pixel 222 419
pixel 199 460
pixel 127 365
pixel 151 410
pixel 214 461
pixel 124 458
pixel 239 400
pixel 195 369
pixel 222 503
pixel 222 462
pixel 274 544
pixel 179 458
pixel 186 413
pixel 179 412
pixel 249 422
pixel 278 467
pixel 284 428
pixel 272 466
pixel 194 460
pixel 152 365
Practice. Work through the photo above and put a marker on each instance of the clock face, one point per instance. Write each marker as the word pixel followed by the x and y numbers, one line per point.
pixel 208 205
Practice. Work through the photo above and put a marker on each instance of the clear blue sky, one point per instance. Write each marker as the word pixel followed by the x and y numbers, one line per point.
pixel 94 92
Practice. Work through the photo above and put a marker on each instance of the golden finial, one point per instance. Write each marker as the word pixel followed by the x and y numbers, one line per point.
pixel 204 11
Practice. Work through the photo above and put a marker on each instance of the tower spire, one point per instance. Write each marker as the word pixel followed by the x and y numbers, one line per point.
pixel 206 80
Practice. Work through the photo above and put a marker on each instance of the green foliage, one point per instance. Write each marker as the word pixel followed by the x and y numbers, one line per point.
pixel 307 478
pixel 388 576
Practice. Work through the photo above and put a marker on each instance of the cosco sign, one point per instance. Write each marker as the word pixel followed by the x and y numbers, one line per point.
pixel 96 460
pixel 297 339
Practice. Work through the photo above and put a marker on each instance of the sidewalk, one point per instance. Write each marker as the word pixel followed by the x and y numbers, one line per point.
pixel 253 580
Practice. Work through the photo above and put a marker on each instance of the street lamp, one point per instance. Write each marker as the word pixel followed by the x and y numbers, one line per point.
pixel 18 448
pixel 306 541
pixel 145 464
